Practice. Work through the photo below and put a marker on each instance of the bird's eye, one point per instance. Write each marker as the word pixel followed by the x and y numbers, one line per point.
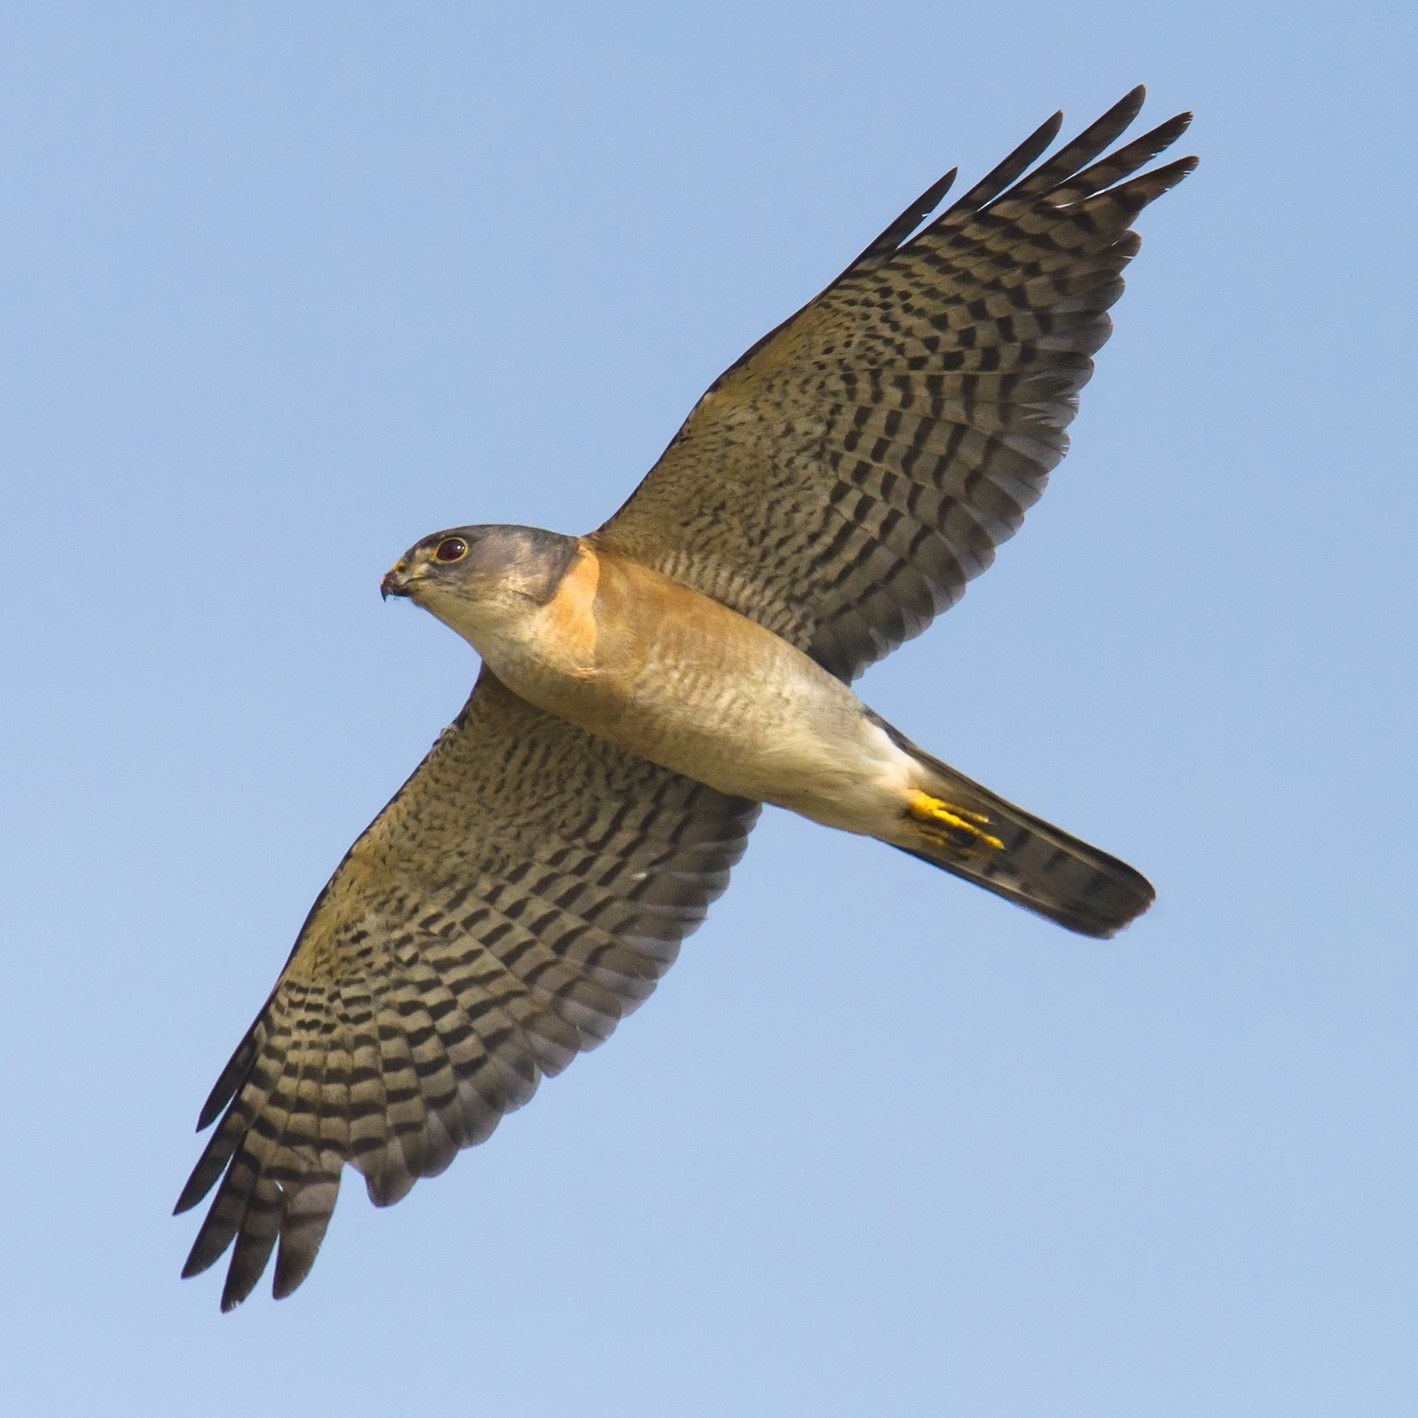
pixel 451 549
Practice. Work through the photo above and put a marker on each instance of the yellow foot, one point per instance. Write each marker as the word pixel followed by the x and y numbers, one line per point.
pixel 954 826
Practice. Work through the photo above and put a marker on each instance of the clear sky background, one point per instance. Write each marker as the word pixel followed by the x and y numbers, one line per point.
pixel 285 288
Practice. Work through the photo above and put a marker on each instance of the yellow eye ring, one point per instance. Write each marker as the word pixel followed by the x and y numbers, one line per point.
pixel 450 549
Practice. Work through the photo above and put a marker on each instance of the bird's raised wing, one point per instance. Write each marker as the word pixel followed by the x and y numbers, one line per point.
pixel 523 891
pixel 853 470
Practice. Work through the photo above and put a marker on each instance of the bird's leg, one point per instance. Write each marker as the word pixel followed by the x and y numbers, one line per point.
pixel 952 826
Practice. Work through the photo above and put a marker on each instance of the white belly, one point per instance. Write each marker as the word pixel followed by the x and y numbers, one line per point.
pixel 706 692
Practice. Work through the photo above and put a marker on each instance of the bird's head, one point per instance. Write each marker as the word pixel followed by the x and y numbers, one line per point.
pixel 478 579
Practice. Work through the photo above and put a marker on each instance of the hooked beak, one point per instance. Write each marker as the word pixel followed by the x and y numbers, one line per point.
pixel 396 581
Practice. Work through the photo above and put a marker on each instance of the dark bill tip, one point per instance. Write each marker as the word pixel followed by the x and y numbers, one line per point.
pixel 394 582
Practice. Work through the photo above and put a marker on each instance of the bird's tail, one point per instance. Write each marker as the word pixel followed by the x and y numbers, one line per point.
pixel 958 825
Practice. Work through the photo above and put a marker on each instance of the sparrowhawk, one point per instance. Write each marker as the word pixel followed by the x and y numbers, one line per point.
pixel 646 687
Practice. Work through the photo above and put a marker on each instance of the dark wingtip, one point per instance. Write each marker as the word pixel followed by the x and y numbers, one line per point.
pixel 197 1187
pixel 1174 172
pixel 237 1068
pixel 1131 101
pixel 195 1264
pixel 292 1267
pixel 211 1111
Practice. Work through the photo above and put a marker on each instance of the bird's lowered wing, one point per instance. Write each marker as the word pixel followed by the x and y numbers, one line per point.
pixel 523 891
pixel 852 471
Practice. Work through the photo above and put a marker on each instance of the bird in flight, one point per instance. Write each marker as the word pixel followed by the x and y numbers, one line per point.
pixel 644 688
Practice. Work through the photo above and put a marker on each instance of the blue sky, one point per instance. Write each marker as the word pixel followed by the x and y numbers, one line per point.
pixel 285 288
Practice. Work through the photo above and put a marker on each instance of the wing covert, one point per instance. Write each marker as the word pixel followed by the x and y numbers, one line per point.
pixel 844 479
pixel 522 892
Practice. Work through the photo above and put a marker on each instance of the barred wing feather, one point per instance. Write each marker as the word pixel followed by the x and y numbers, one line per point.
pixel 522 893
pixel 844 479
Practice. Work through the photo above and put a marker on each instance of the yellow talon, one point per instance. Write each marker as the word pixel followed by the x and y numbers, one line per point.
pixel 960 822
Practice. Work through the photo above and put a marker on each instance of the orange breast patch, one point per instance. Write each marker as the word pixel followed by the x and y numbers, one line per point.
pixel 569 620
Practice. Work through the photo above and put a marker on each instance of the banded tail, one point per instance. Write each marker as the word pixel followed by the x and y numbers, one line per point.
pixel 957 825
